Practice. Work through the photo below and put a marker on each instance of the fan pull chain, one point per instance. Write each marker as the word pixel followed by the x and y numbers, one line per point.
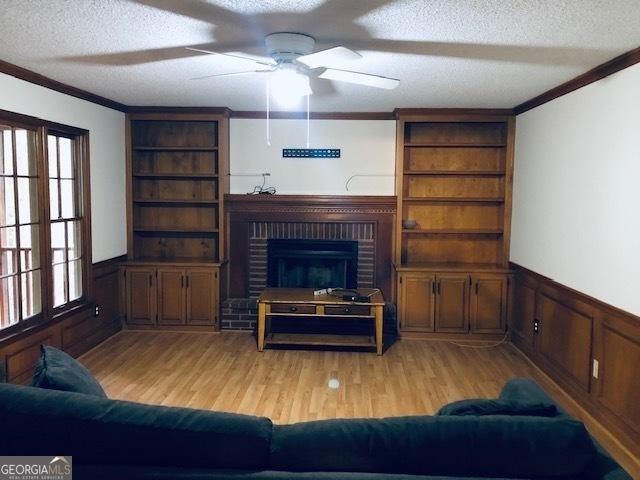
pixel 308 120
pixel 268 104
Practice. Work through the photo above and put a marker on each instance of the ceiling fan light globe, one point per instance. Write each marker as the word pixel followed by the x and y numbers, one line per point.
pixel 288 87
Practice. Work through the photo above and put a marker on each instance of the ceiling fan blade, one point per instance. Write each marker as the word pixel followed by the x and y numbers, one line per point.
pixel 231 74
pixel 249 59
pixel 359 78
pixel 325 57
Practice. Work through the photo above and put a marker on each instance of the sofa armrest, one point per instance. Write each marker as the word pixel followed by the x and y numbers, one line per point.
pixel 524 390
pixel 603 467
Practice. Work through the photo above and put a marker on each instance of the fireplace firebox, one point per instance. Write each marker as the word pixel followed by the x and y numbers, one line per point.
pixel 295 263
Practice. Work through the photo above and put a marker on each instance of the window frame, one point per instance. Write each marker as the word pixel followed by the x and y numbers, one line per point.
pixel 80 145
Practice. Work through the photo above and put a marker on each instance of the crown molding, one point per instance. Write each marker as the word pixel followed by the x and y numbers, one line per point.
pixel 177 110
pixel 610 67
pixel 278 115
pixel 614 65
pixel 452 111
pixel 33 77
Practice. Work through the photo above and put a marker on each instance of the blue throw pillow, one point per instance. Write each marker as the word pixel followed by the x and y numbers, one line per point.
pixel 57 370
pixel 480 406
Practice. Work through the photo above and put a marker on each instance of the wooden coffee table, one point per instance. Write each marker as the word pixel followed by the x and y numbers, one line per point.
pixel 301 303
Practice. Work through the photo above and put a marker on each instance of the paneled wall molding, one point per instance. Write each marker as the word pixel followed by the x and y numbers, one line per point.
pixel 75 333
pixel 591 349
pixel 583 297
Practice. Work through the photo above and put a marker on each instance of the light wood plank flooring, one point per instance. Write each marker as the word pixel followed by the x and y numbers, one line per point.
pixel 225 372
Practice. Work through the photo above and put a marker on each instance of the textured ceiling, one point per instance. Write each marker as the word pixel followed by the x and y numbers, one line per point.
pixel 447 53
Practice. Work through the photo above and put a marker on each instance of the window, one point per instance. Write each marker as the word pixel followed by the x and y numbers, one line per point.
pixel 20 274
pixel 44 235
pixel 65 207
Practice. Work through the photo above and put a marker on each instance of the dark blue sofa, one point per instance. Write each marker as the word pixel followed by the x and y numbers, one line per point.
pixel 112 439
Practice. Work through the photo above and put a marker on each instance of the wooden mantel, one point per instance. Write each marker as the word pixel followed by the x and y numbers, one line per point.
pixel 283 203
pixel 241 210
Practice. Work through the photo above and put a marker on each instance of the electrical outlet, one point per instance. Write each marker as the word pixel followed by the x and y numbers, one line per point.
pixel 536 326
pixel 596 366
pixel 96 310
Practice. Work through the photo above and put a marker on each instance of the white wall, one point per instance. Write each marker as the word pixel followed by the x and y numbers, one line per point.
pixel 576 199
pixel 107 154
pixel 368 147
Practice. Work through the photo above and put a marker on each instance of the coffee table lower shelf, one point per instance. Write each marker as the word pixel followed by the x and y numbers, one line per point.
pixel 312 339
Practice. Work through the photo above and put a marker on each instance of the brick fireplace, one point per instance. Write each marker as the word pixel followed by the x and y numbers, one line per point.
pixel 254 220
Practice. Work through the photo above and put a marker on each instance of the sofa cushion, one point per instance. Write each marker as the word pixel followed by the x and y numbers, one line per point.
pixel 494 446
pixel 96 430
pixel 482 406
pixel 57 370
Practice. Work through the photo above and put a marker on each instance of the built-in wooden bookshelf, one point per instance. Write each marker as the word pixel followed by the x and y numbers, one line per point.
pixel 454 178
pixel 454 181
pixel 177 178
pixel 178 170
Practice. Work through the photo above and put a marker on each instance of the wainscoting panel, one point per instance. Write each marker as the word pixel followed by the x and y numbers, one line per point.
pixel 591 349
pixel 565 338
pixel 76 333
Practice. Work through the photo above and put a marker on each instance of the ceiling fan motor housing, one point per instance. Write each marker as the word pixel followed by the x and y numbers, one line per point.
pixel 287 46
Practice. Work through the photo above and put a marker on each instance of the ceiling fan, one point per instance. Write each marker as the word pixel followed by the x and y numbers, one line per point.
pixel 293 63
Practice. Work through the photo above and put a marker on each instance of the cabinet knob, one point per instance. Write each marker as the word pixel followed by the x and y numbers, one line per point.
pixel 293 309
pixel 347 310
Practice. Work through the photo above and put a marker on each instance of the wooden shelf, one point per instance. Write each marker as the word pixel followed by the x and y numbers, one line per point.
pixel 450 266
pixel 174 149
pixel 456 173
pixel 453 231
pixel 178 176
pixel 454 199
pixel 314 315
pixel 152 201
pixel 320 340
pixel 455 145
pixel 173 261
pixel 176 229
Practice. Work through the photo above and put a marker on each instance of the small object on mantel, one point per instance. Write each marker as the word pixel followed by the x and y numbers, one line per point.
pixel 409 223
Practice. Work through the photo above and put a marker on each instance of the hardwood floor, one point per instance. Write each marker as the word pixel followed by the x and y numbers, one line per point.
pixel 225 372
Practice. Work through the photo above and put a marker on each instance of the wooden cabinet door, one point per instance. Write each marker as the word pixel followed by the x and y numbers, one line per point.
pixel 416 302
pixel 140 295
pixel 488 306
pixel 452 303
pixel 171 296
pixel 202 296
